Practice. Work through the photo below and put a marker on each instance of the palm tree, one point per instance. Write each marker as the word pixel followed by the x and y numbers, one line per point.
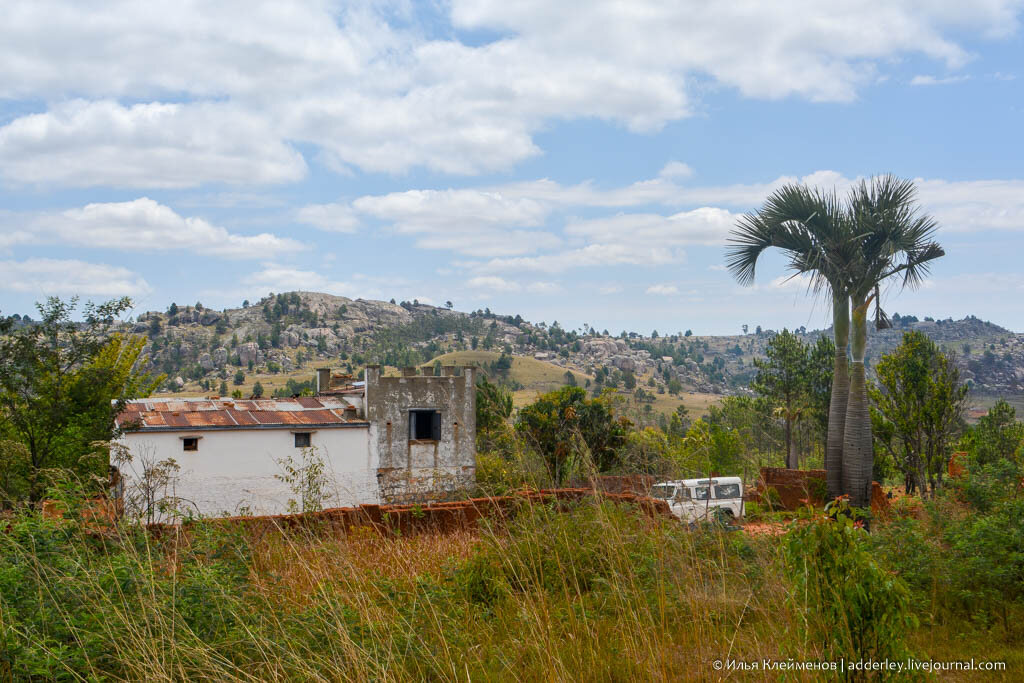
pixel 814 229
pixel 894 241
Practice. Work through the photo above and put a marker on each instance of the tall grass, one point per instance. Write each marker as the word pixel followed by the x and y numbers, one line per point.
pixel 595 591
pixel 591 590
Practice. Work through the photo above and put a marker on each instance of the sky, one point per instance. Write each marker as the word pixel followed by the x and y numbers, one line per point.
pixel 572 162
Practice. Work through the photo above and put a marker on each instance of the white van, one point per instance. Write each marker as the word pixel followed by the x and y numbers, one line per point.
pixel 702 499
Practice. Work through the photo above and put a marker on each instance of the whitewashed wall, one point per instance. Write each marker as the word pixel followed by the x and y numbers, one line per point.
pixel 233 470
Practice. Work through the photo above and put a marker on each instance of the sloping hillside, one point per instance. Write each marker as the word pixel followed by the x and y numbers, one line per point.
pixel 285 336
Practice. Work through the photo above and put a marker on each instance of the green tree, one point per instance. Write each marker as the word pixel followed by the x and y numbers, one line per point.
pixel 63 383
pixel 257 390
pixel 997 436
pixel 920 404
pixel 782 378
pixel 223 388
pixel 493 405
pixel 562 424
pixel 239 378
pixel 820 368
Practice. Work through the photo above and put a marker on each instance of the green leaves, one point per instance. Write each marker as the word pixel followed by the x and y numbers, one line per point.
pixel 63 382
pixel 918 408
pixel 566 428
pixel 850 604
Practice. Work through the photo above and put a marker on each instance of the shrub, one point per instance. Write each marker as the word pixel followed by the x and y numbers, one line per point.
pixel 846 600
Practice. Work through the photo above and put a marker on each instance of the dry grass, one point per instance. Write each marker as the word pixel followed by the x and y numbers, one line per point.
pixel 600 593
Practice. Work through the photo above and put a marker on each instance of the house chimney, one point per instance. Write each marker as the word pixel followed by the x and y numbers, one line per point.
pixel 323 380
pixel 409 371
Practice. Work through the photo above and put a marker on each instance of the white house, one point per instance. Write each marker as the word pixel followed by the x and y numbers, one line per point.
pixel 388 439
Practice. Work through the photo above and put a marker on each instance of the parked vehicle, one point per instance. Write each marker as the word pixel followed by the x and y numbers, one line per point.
pixel 693 500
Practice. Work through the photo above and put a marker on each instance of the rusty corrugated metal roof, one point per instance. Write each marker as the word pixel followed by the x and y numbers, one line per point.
pixel 184 414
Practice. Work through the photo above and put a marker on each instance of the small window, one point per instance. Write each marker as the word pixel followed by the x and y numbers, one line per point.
pixel 190 444
pixel 303 439
pixel 425 425
pixel 700 493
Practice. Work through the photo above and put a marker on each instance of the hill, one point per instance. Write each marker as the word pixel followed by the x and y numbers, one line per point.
pixel 278 340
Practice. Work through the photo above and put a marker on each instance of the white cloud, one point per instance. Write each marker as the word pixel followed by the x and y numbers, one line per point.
pixel 329 217
pixel 87 144
pixel 627 239
pixel 676 169
pixel 139 225
pixel 662 290
pixel 706 225
pixel 273 277
pixel 381 94
pixel 542 287
pixel 937 80
pixel 718 267
pixel 491 223
pixel 974 205
pixel 45 277
pixel 145 225
pixel 492 283
pixel 475 222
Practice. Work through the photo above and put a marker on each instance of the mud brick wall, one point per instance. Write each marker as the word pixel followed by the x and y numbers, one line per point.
pixel 637 484
pixel 409 519
pixel 794 486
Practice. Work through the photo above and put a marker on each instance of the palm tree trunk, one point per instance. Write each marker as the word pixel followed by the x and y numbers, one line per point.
pixel 840 393
pixel 858 458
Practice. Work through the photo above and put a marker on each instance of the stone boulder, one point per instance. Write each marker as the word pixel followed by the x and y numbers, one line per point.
pixel 206 362
pixel 220 357
pixel 248 352
pixel 624 363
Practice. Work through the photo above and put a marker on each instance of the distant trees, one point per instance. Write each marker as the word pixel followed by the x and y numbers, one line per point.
pixel 257 390
pixel 997 436
pixel 239 378
pixel 62 383
pixel 782 377
pixel 796 380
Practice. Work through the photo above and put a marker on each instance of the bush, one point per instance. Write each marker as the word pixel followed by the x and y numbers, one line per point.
pixel 987 561
pixel 856 609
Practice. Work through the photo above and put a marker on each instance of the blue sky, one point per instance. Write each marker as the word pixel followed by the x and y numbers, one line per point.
pixel 574 163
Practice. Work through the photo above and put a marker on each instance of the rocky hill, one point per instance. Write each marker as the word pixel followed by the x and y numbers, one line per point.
pixel 285 335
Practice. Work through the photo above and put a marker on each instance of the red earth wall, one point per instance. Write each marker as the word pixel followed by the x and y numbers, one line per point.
pixel 433 518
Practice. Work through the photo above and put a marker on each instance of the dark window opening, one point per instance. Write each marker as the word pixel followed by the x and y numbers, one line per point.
pixel 191 444
pixel 425 425
pixel 303 439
